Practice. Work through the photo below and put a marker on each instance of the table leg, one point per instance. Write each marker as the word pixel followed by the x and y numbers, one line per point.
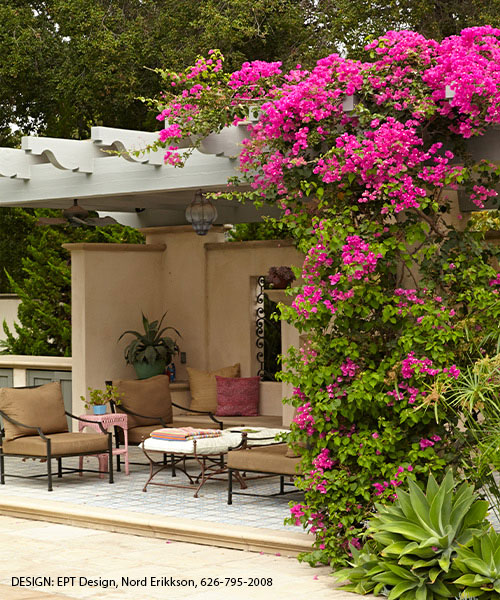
pixel 125 439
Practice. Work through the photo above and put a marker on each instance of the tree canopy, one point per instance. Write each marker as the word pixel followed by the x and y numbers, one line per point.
pixel 70 64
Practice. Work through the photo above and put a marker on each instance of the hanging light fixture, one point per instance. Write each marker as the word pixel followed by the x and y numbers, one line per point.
pixel 201 213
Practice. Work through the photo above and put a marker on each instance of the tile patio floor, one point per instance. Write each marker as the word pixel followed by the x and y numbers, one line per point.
pixel 126 494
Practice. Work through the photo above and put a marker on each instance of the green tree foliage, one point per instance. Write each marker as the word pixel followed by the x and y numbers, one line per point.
pixel 15 226
pixel 45 311
pixel 268 229
pixel 70 64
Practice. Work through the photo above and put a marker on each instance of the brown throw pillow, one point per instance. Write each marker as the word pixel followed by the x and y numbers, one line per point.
pixel 204 387
pixel 42 407
pixel 150 397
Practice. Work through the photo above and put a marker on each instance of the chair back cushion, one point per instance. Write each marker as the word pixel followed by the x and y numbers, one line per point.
pixel 150 397
pixel 203 386
pixel 237 396
pixel 41 406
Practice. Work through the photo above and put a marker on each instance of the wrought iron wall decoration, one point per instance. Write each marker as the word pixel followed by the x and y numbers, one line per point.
pixel 267 334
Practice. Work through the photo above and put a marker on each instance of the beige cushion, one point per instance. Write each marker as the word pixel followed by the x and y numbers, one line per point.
pixel 203 386
pixel 204 421
pixel 149 397
pixel 42 407
pixel 69 444
pixel 264 459
pixel 138 434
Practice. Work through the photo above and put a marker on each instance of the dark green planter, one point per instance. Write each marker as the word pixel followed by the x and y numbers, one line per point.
pixel 145 370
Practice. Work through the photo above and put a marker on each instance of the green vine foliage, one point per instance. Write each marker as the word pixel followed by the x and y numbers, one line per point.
pixel 397 293
pixel 44 315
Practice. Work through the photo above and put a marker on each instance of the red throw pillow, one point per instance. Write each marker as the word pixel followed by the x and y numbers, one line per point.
pixel 237 396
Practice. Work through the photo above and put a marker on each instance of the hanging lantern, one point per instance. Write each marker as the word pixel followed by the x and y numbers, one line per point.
pixel 201 213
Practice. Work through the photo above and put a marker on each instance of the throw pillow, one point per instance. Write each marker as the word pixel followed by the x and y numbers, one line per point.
pixel 203 386
pixel 149 397
pixel 41 406
pixel 238 397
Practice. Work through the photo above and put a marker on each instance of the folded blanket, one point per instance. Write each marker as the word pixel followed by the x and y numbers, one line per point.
pixel 183 434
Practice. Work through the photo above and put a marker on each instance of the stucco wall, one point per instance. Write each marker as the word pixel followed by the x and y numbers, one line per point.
pixel 232 272
pixel 8 312
pixel 183 282
pixel 111 285
pixel 206 286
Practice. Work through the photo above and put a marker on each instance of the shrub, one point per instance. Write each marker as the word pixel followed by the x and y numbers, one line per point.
pixel 416 541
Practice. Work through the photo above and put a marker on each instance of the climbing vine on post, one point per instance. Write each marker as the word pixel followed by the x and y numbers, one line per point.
pixel 397 291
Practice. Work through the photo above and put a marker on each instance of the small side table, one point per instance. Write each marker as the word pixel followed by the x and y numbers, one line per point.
pixel 108 420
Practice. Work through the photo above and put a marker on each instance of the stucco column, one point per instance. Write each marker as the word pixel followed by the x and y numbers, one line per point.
pixel 111 285
pixel 185 288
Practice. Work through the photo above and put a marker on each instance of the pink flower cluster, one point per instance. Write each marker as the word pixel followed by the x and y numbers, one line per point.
pixel 304 419
pixel 424 443
pixel 495 281
pixel 357 252
pixel 410 295
pixel 410 364
pixel 252 72
pixel 323 460
pixel 395 482
pixel 412 393
pixel 349 368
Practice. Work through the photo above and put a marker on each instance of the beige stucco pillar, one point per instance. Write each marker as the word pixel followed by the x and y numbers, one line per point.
pixel 111 285
pixel 184 288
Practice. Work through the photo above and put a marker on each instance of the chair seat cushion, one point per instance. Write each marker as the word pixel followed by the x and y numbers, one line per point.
pixel 70 444
pixel 41 406
pixel 267 459
pixel 214 445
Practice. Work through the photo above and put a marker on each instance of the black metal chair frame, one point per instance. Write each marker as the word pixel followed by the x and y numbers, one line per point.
pixel 50 455
pixel 163 424
pixel 264 474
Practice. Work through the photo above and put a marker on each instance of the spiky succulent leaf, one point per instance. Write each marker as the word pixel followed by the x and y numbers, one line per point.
pixel 417 540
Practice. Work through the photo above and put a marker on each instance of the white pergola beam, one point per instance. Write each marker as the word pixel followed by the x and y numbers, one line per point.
pixel 68 155
pixel 14 163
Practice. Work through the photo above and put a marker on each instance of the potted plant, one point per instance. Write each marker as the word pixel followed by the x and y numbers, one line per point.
pixel 280 277
pixel 99 398
pixel 150 352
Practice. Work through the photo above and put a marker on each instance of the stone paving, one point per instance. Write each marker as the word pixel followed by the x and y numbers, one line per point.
pixel 112 566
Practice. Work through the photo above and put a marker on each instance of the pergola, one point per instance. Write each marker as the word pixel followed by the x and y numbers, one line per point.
pixel 104 174
pixel 206 284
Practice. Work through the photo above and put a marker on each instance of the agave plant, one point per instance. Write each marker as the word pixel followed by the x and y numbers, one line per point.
pixel 416 540
pixel 480 565
pixel 151 346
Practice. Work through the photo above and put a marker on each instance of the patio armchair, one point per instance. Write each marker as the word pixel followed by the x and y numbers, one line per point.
pixel 267 460
pixel 35 426
pixel 149 406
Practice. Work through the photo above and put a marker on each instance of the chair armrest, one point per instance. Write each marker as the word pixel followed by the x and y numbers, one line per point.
pixel 19 424
pixel 199 412
pixel 86 421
